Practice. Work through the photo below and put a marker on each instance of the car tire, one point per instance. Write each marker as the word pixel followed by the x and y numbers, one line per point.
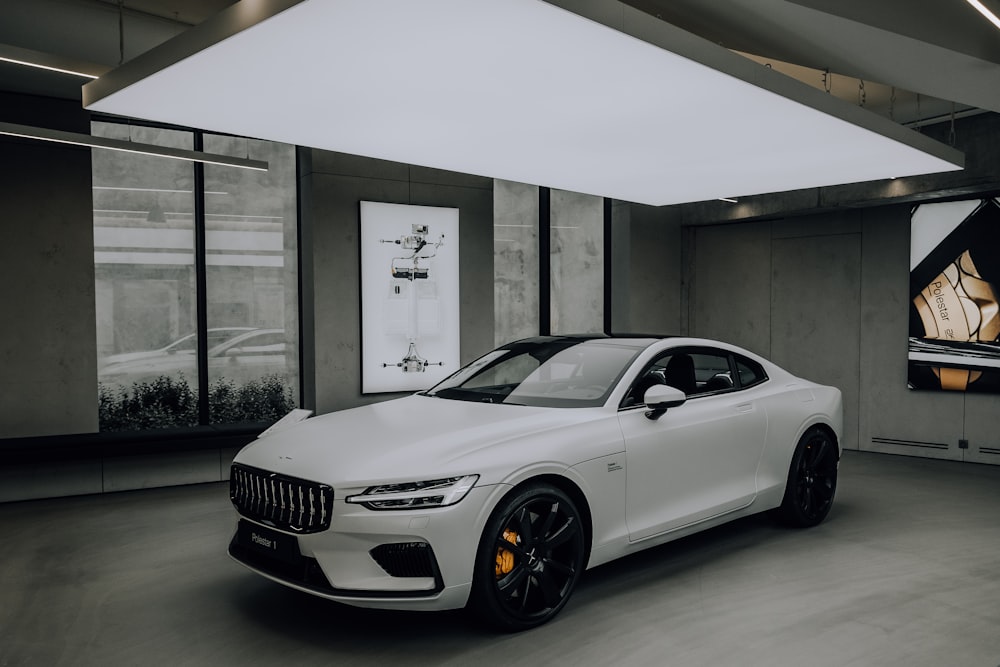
pixel 531 554
pixel 812 480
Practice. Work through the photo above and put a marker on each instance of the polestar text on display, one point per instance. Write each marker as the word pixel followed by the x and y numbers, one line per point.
pixel 498 487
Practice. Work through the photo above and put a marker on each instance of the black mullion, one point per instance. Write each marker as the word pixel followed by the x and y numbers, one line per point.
pixel 299 278
pixel 544 262
pixel 201 281
pixel 608 254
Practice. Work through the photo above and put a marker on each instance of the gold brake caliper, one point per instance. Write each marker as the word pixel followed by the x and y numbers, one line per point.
pixel 505 558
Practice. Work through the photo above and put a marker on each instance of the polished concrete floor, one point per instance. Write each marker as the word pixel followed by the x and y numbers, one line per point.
pixel 906 571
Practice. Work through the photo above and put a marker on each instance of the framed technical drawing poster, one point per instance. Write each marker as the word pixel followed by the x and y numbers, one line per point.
pixel 409 296
pixel 954 286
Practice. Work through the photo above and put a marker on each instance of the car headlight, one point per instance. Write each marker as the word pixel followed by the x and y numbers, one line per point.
pixel 415 495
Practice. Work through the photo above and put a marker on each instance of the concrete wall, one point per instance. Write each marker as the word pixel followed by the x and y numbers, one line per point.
pixel 576 261
pixel 647 276
pixel 332 185
pixel 516 262
pixel 48 385
pixel 826 296
pixel 788 291
pixel 893 418
pixel 818 280
pixel 576 280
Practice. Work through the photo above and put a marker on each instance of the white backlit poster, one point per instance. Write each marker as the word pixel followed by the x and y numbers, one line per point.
pixel 409 296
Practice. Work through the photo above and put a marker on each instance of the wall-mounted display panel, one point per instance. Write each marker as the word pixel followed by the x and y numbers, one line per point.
pixel 954 342
pixel 409 296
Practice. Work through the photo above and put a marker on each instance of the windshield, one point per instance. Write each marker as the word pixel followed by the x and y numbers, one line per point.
pixel 553 372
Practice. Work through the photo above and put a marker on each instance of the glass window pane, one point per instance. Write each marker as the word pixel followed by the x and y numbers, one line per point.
pixel 145 284
pixel 712 372
pixel 252 276
pixel 751 372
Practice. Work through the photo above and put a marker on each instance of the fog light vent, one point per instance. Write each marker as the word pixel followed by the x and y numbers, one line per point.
pixel 405 559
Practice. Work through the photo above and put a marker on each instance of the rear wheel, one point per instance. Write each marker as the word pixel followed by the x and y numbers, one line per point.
pixel 812 480
pixel 530 557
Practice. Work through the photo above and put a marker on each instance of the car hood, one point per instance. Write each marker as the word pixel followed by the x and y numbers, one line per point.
pixel 405 439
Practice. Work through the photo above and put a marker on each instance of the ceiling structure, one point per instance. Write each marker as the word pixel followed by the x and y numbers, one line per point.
pixel 190 12
pixel 909 61
pixel 942 49
pixel 520 90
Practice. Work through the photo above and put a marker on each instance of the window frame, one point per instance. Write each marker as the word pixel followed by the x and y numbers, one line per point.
pixel 204 346
pixel 732 359
pixel 755 366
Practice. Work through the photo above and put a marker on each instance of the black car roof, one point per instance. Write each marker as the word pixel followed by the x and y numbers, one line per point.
pixel 635 340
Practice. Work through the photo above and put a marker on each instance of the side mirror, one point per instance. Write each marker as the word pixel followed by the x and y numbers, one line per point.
pixel 660 397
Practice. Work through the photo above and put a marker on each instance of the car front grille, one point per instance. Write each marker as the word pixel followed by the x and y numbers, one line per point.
pixel 286 503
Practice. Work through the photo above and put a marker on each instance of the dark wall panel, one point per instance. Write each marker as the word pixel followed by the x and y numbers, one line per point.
pixel 47 344
pixel 730 285
pixel 815 316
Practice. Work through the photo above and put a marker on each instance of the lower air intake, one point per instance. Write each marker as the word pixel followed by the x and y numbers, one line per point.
pixel 406 559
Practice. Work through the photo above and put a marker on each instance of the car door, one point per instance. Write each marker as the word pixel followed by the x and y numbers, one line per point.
pixel 697 460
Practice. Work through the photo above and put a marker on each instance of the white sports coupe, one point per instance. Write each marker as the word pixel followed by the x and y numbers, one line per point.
pixel 499 486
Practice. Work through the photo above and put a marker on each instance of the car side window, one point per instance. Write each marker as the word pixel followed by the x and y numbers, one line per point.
pixel 712 373
pixel 696 372
pixel 750 372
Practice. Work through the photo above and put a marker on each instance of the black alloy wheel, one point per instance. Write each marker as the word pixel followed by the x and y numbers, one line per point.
pixel 530 557
pixel 812 480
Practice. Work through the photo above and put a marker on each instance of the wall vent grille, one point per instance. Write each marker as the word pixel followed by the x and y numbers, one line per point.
pixel 910 443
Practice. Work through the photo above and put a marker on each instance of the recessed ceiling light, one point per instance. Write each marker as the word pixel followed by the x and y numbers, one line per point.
pixel 47 61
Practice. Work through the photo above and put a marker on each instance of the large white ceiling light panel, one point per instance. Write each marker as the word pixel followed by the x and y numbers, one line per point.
pixel 520 90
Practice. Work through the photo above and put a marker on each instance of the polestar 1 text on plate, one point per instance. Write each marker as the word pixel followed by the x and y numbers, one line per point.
pixel 499 486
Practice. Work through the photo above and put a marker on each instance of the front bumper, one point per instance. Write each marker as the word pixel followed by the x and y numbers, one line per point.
pixel 401 559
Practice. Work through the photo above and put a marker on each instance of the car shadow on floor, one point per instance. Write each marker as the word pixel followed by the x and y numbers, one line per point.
pixel 661 571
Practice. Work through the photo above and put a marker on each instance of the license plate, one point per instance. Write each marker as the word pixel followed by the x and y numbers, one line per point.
pixel 268 543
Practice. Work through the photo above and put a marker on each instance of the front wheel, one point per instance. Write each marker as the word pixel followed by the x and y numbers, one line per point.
pixel 530 557
pixel 812 480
